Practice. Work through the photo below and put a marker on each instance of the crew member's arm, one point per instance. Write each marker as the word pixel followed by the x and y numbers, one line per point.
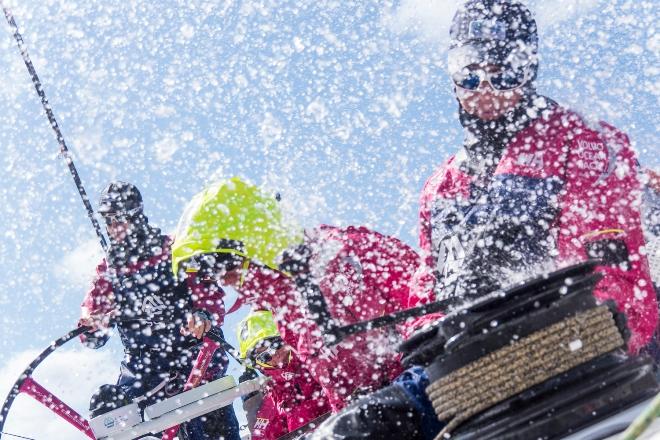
pixel 600 218
pixel 97 309
pixel 208 306
pixel 422 284
pixel 251 402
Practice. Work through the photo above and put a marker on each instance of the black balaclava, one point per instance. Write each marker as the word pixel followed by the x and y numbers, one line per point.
pixel 124 200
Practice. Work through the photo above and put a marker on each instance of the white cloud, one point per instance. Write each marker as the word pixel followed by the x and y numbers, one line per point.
pixel 165 148
pixel 551 12
pixel 88 145
pixel 72 375
pixel 78 266
pixel 431 19
pixel 271 129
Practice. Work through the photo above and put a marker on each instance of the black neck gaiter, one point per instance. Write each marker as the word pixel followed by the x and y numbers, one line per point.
pixel 143 242
pixel 485 141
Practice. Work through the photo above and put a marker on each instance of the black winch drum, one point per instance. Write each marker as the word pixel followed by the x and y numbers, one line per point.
pixel 541 360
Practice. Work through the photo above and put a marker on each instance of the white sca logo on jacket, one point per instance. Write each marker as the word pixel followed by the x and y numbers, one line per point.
pixel 153 305
pixel 447 246
pixel 261 424
pixel 531 160
pixel 450 256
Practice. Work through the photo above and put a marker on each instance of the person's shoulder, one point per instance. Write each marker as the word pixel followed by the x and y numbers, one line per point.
pixel 351 236
pixel 550 119
pixel 442 172
pixel 444 167
pixel 578 125
pixel 587 133
pixel 593 133
pixel 102 267
pixel 161 250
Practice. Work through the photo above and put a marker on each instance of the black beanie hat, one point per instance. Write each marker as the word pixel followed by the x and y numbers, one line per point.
pixel 500 32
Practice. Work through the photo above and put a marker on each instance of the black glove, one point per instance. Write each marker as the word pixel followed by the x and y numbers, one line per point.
pixel 295 260
pixel 388 413
pixel 422 347
pixel 248 374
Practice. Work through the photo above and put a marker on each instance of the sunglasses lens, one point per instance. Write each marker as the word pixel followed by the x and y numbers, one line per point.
pixel 508 79
pixel 467 80
pixel 110 219
pixel 264 357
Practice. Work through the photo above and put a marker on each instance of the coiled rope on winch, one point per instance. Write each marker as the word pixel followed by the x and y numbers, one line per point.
pixel 519 366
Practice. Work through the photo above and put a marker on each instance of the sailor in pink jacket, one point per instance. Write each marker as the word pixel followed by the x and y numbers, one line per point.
pixel 534 187
pixel 361 275
pixel 351 274
pixel 292 399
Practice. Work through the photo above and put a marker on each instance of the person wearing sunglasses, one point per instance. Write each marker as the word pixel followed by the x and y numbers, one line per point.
pixel 533 187
pixel 291 398
pixel 159 322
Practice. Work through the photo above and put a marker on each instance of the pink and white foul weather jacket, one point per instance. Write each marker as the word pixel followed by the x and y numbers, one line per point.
pixel 292 399
pixel 561 187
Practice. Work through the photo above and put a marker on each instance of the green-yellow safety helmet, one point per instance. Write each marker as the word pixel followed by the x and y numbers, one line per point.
pixel 256 327
pixel 234 217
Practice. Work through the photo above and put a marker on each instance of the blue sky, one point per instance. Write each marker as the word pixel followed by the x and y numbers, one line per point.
pixel 343 107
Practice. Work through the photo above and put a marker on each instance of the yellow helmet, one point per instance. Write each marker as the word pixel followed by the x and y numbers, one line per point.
pixel 256 327
pixel 235 217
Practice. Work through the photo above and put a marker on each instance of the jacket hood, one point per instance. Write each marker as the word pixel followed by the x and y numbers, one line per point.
pixel 236 217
